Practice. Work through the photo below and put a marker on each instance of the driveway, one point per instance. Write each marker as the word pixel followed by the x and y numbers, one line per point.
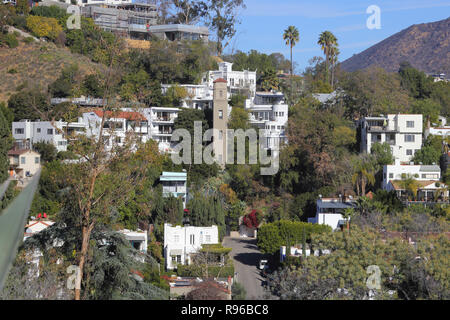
pixel 246 258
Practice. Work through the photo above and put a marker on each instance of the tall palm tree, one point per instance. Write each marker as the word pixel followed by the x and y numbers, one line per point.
pixel 291 36
pixel 326 41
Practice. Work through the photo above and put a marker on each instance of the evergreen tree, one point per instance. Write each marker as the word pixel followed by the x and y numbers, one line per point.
pixel 5 145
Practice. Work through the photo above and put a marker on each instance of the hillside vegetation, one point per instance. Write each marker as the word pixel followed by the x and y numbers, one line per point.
pixel 36 65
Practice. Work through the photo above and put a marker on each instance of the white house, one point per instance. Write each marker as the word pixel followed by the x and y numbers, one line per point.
pixel 181 242
pixel 427 190
pixel 117 126
pixel 161 125
pixel 329 211
pixel 419 172
pixel 138 239
pixel 29 132
pixel 269 112
pixel 36 226
pixel 403 132
pixel 236 80
pixel 200 96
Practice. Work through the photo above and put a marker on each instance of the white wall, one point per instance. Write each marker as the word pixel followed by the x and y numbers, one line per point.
pixel 395 172
pixel 179 238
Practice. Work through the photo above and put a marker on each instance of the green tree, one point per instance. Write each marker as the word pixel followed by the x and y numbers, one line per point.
pixel 5 146
pixel 223 20
pixel 363 175
pixel 429 108
pixel 382 153
pixel 47 150
pixel 28 104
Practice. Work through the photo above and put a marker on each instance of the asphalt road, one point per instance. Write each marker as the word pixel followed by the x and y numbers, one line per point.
pixel 246 258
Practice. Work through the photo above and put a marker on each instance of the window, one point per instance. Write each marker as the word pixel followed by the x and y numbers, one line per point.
pixel 232 82
pixel 409 152
pixel 391 175
pixel 36 160
pixel 410 124
pixel 22 160
pixel 38 130
pixel 179 259
pixel 174 258
pixel 220 114
pixel 192 239
pixel 176 238
pixel 118 140
pixel 409 138
pixel 19 131
pixel 207 238
pixel 220 134
pixel 50 131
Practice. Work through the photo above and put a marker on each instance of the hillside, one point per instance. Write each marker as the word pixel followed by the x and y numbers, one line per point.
pixel 37 64
pixel 426 46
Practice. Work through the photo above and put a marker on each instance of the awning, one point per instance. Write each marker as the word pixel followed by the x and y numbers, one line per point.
pixel 176 252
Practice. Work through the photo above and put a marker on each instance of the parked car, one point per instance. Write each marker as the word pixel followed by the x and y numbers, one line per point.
pixel 264 267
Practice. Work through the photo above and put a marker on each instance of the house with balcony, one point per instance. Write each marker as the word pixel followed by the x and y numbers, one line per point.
pixel 174 184
pixel 200 96
pixel 26 132
pixel 427 191
pixel 181 243
pixel 118 125
pixel 269 112
pixel 403 132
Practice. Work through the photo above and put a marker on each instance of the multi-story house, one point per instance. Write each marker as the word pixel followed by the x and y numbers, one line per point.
pixel 117 126
pixel 403 132
pixel 23 163
pixel 174 184
pixel 268 111
pixel 180 243
pixel 27 132
pixel 200 96
pixel 161 122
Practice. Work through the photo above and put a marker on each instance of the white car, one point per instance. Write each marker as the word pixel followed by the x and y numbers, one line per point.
pixel 263 265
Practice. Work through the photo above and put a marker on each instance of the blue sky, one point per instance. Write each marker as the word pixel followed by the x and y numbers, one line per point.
pixel 263 23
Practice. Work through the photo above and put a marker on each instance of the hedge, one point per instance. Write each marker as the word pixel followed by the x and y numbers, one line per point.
pixel 273 235
pixel 213 271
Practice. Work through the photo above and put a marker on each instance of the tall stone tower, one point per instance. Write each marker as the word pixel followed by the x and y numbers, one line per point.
pixel 220 120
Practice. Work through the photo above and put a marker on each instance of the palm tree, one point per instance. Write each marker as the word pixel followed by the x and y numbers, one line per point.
pixel 327 40
pixel 363 174
pixel 347 214
pixel 291 36
pixel 410 185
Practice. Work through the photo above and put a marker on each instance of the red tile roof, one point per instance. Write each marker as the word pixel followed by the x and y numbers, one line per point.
pixel 221 80
pixel 129 115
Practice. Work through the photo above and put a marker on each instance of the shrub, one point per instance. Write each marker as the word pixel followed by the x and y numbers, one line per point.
pixel 11 40
pixel 44 27
pixel 12 71
pixel 28 40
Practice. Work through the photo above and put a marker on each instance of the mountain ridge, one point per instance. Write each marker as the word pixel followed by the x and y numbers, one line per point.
pixel 426 46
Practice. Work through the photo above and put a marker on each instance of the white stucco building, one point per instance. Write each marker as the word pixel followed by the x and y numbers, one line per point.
pixel 268 111
pixel 403 132
pixel 181 242
pixel 138 239
pixel 419 172
pixel 329 211
pixel 28 132
pixel 117 127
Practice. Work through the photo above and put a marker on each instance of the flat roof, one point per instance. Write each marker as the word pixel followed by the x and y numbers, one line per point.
pixel 179 27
